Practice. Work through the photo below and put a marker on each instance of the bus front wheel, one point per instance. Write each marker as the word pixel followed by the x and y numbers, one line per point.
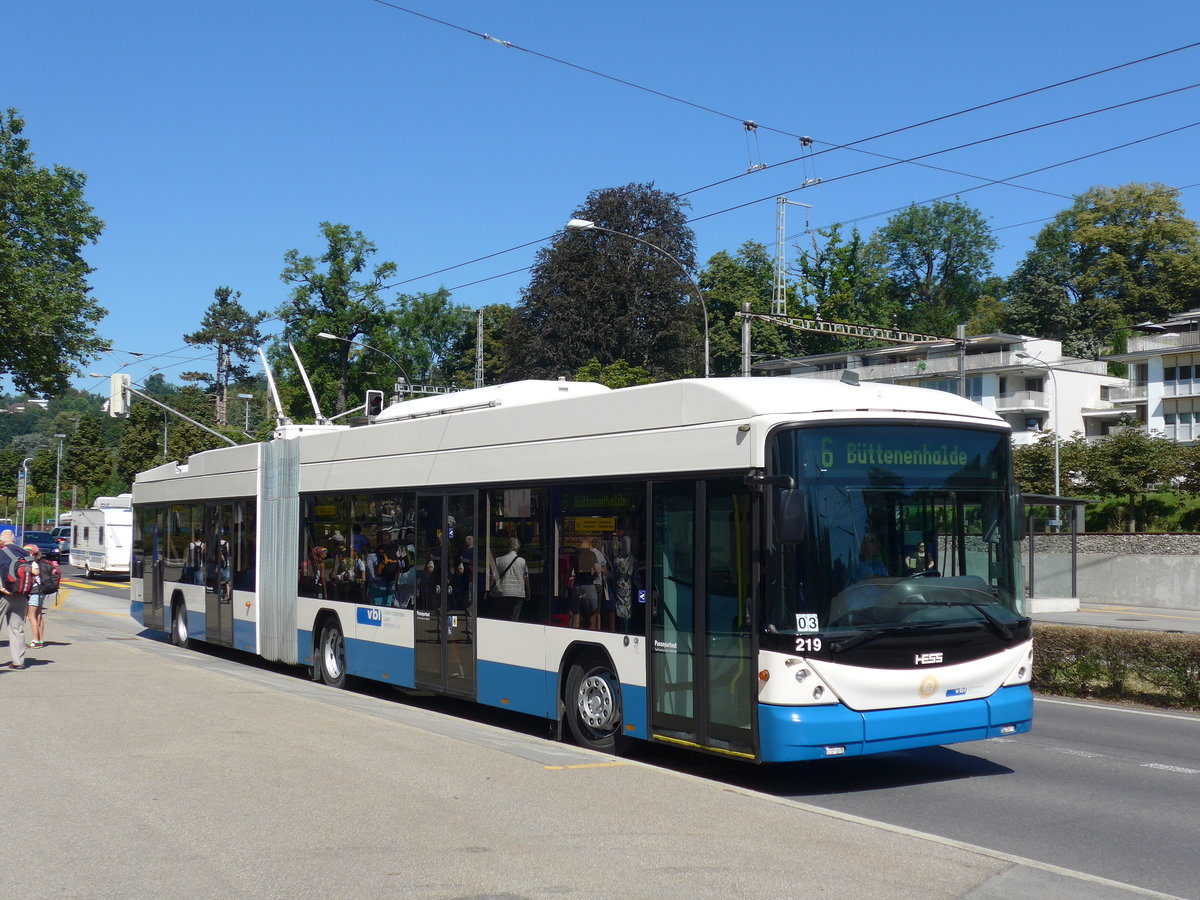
pixel 333 656
pixel 593 706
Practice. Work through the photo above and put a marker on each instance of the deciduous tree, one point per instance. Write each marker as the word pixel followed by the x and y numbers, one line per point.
pixel 50 326
pixel 1116 257
pixel 596 295
pixel 937 255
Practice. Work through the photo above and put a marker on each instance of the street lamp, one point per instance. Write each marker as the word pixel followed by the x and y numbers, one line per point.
pixel 399 368
pixel 246 398
pixel 23 492
pixel 586 225
pixel 57 476
pixel 1021 354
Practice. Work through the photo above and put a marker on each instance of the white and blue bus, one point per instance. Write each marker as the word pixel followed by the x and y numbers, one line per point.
pixel 770 569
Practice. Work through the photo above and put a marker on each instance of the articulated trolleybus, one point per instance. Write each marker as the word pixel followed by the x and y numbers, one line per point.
pixel 770 569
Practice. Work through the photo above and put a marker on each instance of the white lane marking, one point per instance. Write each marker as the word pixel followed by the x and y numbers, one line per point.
pixel 1119 709
pixel 1182 770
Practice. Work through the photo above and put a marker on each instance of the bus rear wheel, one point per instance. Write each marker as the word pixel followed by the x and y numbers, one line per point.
pixel 333 656
pixel 593 703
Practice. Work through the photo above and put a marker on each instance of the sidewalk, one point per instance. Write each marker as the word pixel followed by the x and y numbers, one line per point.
pixel 1138 617
pixel 162 772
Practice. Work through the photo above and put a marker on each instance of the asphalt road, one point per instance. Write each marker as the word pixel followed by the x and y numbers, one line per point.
pixel 1097 789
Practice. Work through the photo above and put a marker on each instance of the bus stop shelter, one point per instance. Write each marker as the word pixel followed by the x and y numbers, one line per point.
pixel 1052 553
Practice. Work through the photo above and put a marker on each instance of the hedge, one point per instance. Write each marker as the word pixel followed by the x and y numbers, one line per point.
pixel 1149 667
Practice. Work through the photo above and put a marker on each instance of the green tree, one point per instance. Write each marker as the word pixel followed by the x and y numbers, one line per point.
pixel 461 355
pixel 615 375
pixel 938 256
pixel 44 224
pixel 1033 465
pixel 1131 463
pixel 329 295
pixel 596 295
pixel 140 447
pixel 87 459
pixel 1116 257
pixel 845 279
pixel 233 332
pixel 430 328
pixel 747 278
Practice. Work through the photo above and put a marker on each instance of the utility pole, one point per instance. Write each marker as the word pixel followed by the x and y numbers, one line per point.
pixel 58 477
pixel 479 350
pixel 779 298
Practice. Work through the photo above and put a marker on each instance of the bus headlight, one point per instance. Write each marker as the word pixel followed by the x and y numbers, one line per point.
pixel 818 692
pixel 801 675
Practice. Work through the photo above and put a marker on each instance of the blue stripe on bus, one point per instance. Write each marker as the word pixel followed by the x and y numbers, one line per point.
pixel 137 611
pixel 382 662
pixel 816 732
pixel 519 688
pixel 243 635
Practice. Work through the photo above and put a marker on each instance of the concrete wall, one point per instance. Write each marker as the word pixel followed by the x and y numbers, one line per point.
pixel 1157 570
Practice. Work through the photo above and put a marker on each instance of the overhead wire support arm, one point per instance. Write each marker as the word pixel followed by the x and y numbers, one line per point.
pixel 175 412
pixel 848 329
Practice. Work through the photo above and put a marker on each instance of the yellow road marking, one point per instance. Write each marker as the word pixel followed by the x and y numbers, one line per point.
pixel 84 585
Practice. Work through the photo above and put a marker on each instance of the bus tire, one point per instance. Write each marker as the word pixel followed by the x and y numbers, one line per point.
pixel 179 627
pixel 333 656
pixel 593 705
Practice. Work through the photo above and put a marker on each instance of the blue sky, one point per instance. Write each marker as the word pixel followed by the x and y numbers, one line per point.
pixel 216 135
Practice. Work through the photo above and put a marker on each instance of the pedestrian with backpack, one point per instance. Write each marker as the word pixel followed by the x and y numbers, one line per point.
pixel 14 603
pixel 45 586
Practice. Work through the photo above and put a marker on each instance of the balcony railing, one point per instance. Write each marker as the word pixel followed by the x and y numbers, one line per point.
pixel 1022 400
pixel 1123 393
pixel 1162 342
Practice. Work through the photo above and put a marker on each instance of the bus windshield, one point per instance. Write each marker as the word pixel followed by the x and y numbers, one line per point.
pixel 891 527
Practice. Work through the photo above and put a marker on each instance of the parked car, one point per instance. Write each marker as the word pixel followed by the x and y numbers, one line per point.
pixel 44 541
pixel 62 534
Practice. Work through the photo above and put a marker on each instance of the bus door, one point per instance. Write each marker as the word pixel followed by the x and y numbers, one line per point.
pixel 703 681
pixel 445 606
pixel 218 593
pixel 147 563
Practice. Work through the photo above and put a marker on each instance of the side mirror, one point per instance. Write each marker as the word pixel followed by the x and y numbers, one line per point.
pixel 793 516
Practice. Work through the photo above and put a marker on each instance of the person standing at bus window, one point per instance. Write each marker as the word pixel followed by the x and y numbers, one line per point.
pixel 919 561
pixel 585 604
pixel 510 583
pixel 193 569
pixel 14 604
pixel 359 542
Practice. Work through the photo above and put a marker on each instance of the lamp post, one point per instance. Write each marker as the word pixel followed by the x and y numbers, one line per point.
pixel 1021 354
pixel 246 398
pixel 57 476
pixel 395 362
pixel 23 489
pixel 586 225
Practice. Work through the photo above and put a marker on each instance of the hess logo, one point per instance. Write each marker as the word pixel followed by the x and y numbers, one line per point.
pixel 928 659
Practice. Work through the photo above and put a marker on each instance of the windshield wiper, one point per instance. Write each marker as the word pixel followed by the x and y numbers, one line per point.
pixel 864 637
pixel 1001 629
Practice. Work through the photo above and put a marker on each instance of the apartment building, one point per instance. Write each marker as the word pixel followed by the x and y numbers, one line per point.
pixel 1163 387
pixel 1025 380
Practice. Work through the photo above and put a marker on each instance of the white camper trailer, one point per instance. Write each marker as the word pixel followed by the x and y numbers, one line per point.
pixel 101 537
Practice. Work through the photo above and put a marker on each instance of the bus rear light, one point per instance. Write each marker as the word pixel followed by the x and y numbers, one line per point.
pixel 764 676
